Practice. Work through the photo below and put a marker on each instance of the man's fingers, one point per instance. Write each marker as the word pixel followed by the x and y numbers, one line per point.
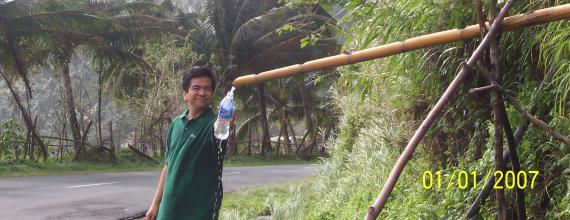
pixel 234 117
pixel 150 215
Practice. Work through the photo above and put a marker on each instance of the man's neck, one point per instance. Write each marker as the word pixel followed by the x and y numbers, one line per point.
pixel 194 113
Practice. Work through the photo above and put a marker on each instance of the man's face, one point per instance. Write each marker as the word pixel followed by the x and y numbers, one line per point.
pixel 200 93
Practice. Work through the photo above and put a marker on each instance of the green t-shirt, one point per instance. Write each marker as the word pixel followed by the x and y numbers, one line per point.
pixel 192 189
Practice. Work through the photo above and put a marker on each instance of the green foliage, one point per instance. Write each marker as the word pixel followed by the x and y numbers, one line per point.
pixel 239 160
pixel 554 45
pixel 310 40
pixel 383 101
pixel 126 161
pixel 257 201
pixel 12 139
pixel 285 28
pixel 158 92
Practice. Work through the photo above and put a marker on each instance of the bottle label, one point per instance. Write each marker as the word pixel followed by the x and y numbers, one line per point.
pixel 225 114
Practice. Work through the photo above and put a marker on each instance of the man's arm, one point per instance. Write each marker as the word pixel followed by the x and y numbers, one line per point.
pixel 153 210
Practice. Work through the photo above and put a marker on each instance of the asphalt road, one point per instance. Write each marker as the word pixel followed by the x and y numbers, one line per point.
pixel 113 195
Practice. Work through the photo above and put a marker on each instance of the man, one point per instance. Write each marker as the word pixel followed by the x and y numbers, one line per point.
pixel 190 185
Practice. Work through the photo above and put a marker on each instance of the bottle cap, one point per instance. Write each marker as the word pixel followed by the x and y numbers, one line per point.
pixel 231 92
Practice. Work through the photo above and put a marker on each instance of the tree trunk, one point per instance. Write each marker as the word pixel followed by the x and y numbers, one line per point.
pixel 61 142
pixel 111 144
pixel 16 148
pixel 27 145
pixel 142 154
pixel 43 149
pixel 232 142
pixel 292 131
pixel 31 147
pixel 285 129
pixel 249 143
pixel 278 148
pixel 266 143
pixel 70 105
pixel 313 143
pixel 328 132
pixel 161 137
pixel 99 101
pixel 27 118
pixel 14 50
pixel 300 145
pixel 307 107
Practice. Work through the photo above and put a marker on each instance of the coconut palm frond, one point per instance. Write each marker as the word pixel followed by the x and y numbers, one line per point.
pixel 248 9
pixel 129 20
pixel 248 123
pixel 67 20
pixel 260 25
pixel 148 8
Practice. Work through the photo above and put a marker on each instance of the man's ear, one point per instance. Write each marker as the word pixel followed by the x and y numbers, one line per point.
pixel 185 95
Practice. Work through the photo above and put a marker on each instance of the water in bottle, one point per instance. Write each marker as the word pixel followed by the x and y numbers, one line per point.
pixel 225 113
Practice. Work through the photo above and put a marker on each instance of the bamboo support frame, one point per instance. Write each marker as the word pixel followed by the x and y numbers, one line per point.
pixel 517 137
pixel 518 107
pixel 522 20
pixel 376 208
pixel 439 38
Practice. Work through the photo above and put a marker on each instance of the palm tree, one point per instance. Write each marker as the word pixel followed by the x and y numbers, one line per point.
pixel 107 31
pixel 24 27
pixel 286 106
pixel 250 40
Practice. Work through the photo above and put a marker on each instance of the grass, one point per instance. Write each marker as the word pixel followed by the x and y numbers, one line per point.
pixel 126 162
pixel 8 169
pixel 241 161
pixel 256 201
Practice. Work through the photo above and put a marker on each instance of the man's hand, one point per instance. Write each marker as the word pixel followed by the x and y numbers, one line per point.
pixel 152 212
pixel 234 117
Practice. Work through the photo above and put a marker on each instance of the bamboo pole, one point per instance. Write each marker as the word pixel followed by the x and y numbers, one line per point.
pixel 534 120
pixel 376 208
pixel 518 135
pixel 510 23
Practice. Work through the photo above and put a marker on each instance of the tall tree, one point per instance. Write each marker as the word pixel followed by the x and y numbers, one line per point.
pixel 254 36
pixel 107 32
pixel 24 28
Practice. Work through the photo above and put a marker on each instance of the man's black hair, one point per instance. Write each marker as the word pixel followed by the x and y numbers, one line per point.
pixel 197 71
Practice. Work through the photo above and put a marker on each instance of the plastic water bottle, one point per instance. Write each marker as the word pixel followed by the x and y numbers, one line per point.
pixel 225 113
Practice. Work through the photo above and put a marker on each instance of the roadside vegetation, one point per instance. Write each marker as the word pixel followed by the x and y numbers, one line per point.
pixel 110 85
pixel 126 162
pixel 383 101
pixel 83 82
pixel 256 201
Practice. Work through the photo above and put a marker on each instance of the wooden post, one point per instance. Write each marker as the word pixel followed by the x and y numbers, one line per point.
pixel 497 116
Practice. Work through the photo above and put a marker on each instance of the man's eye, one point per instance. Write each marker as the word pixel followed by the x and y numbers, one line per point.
pixel 195 88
